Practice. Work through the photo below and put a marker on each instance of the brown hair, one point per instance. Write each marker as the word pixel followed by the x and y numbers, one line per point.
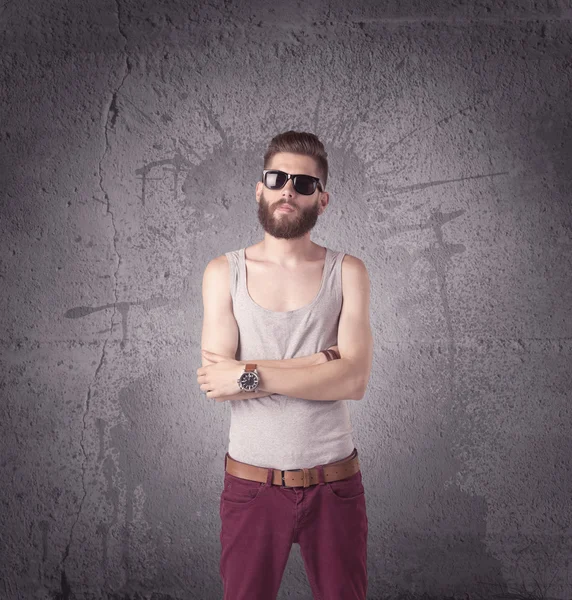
pixel 300 142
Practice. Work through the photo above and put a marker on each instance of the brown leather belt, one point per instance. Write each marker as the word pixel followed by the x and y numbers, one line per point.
pixel 341 469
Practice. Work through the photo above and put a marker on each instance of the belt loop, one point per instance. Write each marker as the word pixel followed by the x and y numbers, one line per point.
pixel 321 476
pixel 270 477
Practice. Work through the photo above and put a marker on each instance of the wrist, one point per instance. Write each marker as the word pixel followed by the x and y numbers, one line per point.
pixel 249 378
pixel 329 354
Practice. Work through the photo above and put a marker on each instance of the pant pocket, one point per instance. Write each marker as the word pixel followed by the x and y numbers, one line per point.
pixel 347 489
pixel 240 491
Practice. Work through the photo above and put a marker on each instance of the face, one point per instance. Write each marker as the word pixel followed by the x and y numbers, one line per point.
pixel 296 223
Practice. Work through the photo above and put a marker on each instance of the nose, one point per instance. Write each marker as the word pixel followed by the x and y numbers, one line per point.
pixel 288 189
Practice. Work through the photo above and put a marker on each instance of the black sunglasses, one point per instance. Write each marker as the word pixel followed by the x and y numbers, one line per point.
pixel 303 184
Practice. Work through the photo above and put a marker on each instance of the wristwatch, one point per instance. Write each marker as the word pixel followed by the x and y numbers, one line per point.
pixel 249 380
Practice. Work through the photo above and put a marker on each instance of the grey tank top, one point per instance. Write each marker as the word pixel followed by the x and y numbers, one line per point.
pixel 277 431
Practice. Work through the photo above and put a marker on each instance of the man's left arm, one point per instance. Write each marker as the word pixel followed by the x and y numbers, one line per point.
pixel 347 377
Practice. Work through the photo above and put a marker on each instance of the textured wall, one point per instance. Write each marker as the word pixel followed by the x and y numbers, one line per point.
pixel 132 136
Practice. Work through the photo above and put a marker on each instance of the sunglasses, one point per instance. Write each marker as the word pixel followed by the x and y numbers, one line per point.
pixel 303 184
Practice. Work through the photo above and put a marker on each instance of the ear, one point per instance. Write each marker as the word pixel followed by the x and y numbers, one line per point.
pixel 324 200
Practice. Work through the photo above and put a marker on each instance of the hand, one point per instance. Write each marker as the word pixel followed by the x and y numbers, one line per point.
pixel 220 377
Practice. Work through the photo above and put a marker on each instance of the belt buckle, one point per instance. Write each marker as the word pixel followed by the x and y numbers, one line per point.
pixel 305 478
pixel 282 472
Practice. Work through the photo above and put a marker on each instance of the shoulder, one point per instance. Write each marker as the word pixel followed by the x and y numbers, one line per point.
pixel 217 273
pixel 218 265
pixel 352 265
pixel 355 276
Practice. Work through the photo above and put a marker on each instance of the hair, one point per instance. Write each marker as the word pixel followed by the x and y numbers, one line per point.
pixel 300 142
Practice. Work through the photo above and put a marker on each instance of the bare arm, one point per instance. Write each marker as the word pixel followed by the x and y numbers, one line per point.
pixel 299 362
pixel 335 380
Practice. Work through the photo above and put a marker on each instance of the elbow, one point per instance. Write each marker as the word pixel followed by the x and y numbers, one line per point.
pixel 358 381
pixel 361 387
pixel 359 390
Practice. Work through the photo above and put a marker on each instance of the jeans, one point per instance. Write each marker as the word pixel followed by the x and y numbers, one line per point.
pixel 260 521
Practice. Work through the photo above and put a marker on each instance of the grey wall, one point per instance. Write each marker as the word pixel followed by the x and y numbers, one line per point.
pixel 132 136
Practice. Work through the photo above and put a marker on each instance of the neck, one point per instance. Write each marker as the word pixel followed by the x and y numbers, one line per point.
pixel 293 251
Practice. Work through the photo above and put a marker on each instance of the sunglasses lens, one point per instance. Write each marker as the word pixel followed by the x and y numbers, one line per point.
pixel 275 179
pixel 304 185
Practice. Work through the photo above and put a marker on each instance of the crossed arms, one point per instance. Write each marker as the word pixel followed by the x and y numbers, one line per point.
pixel 310 377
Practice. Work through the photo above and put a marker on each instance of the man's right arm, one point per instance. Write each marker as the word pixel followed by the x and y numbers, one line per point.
pixel 220 329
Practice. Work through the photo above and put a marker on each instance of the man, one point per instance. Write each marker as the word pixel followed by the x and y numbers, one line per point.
pixel 291 472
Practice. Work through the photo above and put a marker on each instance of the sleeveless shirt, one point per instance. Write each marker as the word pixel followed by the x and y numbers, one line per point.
pixel 278 431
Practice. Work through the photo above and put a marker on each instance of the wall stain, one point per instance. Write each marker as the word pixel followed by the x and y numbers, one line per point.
pixel 179 165
pixel 44 528
pixel 103 531
pixel 65 592
pixel 111 493
pixel 100 424
pixel 390 192
pixel 78 312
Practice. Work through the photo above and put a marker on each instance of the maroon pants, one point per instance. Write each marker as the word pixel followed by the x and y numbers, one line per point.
pixel 260 521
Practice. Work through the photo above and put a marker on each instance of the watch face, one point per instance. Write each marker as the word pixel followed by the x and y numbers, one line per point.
pixel 249 381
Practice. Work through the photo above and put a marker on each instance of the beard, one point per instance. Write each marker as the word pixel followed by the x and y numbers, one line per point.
pixel 287 225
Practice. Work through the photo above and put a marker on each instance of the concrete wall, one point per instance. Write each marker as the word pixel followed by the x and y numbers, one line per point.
pixel 448 126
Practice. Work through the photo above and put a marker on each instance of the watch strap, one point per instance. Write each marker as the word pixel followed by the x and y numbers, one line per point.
pixel 331 354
